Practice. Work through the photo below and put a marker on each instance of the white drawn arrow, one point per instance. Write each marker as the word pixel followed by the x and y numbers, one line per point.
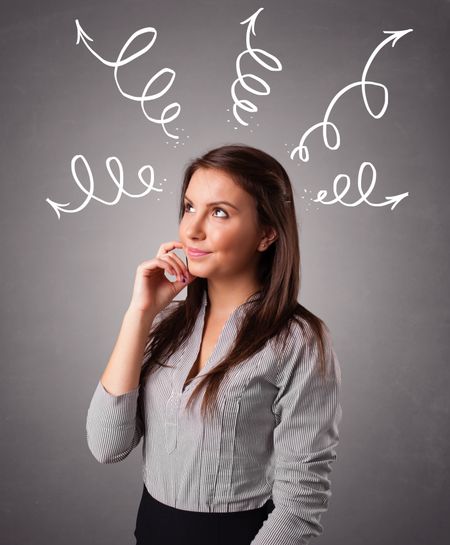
pixel 389 200
pixel 62 207
pixel 144 97
pixel 244 104
pixel 302 149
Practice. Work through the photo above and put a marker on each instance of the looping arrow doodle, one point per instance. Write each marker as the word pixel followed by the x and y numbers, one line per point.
pixel 258 55
pixel 394 200
pixel 144 97
pixel 246 104
pixel 302 149
pixel 58 207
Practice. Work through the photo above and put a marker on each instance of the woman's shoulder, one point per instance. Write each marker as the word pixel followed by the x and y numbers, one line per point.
pixel 302 347
pixel 298 332
pixel 167 310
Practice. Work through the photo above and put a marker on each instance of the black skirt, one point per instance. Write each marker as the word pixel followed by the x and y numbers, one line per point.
pixel 160 524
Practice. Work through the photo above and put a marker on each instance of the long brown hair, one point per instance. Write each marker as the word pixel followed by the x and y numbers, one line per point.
pixel 263 177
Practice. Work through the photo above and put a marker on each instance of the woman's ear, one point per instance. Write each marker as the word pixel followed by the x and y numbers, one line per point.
pixel 269 237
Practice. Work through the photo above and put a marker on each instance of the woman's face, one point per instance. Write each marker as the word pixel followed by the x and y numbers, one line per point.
pixel 229 232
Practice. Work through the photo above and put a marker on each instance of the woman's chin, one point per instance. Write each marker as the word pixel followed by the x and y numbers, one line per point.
pixel 198 274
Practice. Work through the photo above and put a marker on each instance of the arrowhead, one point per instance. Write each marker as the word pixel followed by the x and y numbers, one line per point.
pixel 396 199
pixel 252 20
pixel 81 33
pixel 57 206
pixel 397 34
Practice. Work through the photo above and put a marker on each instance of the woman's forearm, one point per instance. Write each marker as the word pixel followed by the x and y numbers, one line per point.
pixel 121 374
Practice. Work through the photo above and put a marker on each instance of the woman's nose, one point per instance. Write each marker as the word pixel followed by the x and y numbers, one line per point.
pixel 195 228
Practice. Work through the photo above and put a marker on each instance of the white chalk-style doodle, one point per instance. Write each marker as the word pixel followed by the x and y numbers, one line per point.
pixel 258 55
pixel 62 207
pixel 389 200
pixel 144 97
pixel 302 149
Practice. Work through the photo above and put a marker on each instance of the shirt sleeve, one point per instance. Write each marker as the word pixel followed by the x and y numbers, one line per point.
pixel 308 411
pixel 114 425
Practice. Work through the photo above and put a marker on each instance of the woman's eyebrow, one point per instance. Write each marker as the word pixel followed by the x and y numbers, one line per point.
pixel 216 202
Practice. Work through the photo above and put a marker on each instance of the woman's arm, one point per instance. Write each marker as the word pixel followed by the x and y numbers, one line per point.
pixel 114 423
pixel 308 413
pixel 124 366
pixel 114 426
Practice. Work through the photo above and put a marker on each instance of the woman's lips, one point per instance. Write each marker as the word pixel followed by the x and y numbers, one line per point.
pixel 194 253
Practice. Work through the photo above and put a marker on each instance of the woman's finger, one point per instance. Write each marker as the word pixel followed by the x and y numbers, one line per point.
pixel 168 246
pixel 176 262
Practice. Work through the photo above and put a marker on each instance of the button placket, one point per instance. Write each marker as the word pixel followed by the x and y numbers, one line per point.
pixel 171 421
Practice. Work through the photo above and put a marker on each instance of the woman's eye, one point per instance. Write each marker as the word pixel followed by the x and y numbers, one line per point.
pixel 226 215
pixel 221 209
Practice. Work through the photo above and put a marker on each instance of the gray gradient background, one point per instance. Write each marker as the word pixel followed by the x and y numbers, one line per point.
pixel 379 278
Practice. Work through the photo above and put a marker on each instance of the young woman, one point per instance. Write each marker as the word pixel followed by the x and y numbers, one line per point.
pixel 235 389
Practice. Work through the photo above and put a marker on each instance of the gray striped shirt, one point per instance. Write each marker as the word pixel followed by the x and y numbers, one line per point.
pixel 274 436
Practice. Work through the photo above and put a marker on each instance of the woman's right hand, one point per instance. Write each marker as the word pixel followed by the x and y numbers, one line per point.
pixel 152 291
